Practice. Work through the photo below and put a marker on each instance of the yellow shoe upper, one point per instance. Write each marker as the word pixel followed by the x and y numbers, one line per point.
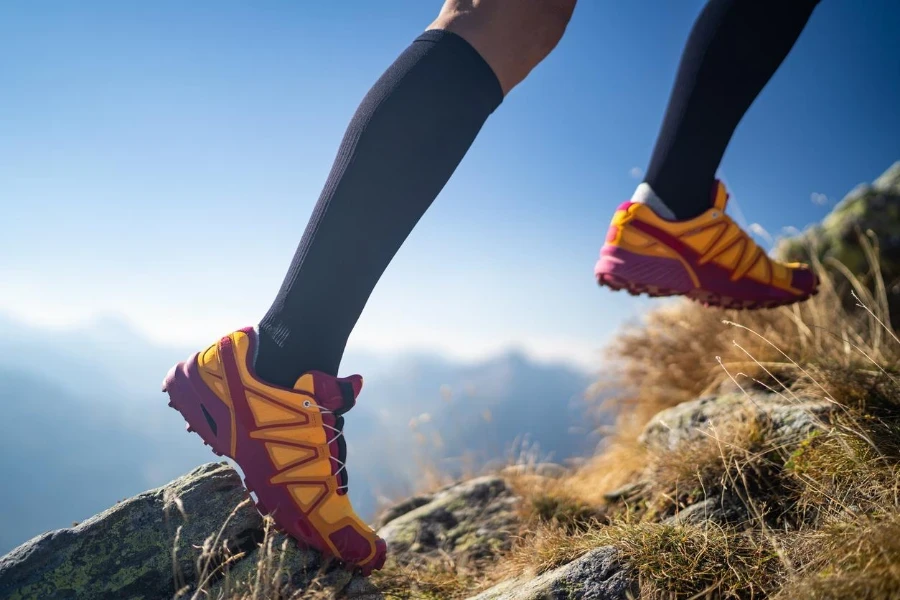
pixel 710 238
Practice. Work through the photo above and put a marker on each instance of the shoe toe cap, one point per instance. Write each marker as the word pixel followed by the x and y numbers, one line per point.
pixel 358 548
pixel 805 280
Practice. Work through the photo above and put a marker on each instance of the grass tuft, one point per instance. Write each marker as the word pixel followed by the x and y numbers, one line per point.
pixel 859 559
pixel 431 579
pixel 690 561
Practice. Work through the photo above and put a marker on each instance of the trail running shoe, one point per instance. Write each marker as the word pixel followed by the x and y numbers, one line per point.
pixel 288 442
pixel 708 258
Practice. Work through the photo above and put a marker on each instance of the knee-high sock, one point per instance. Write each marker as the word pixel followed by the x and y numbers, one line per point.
pixel 404 142
pixel 733 50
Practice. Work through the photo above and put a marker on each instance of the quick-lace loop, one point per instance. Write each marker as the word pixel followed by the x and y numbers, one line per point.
pixel 749 250
pixel 340 432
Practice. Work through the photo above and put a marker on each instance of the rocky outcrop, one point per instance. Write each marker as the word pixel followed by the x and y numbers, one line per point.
pixel 144 547
pixel 472 520
pixel 476 518
pixel 598 575
pixel 173 539
pixel 162 541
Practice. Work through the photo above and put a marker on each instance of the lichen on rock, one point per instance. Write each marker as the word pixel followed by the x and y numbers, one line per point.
pixel 690 421
pixel 475 518
pixel 147 546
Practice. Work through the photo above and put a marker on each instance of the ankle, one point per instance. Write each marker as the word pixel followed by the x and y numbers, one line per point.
pixel 270 363
pixel 644 194
pixel 670 211
pixel 284 354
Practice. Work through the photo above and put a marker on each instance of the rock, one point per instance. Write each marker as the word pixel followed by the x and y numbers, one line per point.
pixel 689 421
pixel 874 208
pixel 398 510
pixel 598 575
pixel 721 510
pixel 127 551
pixel 475 519
pixel 629 490
pixel 361 588
pixel 889 182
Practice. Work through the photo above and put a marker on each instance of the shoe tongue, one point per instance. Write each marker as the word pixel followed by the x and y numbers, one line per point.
pixel 719 195
pixel 337 394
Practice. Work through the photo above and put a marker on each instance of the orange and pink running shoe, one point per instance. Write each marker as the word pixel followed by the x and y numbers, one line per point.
pixel 709 259
pixel 289 443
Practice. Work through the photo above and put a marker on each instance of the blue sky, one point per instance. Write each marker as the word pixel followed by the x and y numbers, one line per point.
pixel 134 137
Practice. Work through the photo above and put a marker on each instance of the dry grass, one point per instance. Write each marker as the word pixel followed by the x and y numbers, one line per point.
pixel 857 559
pixel 822 514
pixel 556 526
pixel 269 574
pixel 853 470
pixel 619 461
pixel 435 579
pixel 691 561
pixel 543 548
pixel 741 458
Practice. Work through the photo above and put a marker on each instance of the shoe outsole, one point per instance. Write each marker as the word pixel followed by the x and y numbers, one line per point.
pixel 376 563
pixel 638 274
pixel 707 299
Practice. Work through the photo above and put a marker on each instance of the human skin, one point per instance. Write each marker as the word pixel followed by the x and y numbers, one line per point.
pixel 513 36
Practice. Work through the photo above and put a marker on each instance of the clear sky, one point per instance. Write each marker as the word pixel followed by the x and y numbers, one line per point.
pixel 135 136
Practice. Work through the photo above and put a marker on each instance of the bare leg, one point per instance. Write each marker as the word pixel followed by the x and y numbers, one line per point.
pixel 513 36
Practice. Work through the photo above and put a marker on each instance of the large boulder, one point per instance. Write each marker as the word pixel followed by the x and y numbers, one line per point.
pixel 598 575
pixel 144 547
pixel 199 531
pixel 476 518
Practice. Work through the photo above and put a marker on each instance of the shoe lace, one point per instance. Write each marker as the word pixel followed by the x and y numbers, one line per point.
pixel 750 252
pixel 339 431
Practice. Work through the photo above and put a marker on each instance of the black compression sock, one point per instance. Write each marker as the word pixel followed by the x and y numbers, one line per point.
pixel 405 141
pixel 733 50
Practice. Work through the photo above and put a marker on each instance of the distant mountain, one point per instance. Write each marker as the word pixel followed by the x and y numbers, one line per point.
pixel 65 456
pixel 85 423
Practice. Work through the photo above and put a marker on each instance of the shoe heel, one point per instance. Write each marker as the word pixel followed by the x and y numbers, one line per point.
pixel 620 269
